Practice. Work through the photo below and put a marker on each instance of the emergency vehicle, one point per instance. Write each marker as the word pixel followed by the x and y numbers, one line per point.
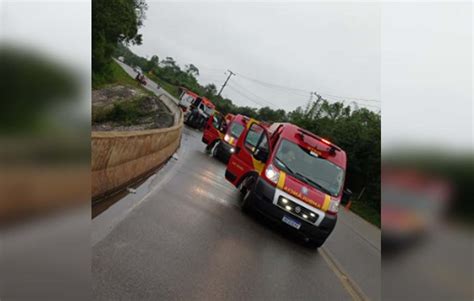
pixel 224 147
pixel 199 112
pixel 229 117
pixel 214 130
pixel 291 176
pixel 186 98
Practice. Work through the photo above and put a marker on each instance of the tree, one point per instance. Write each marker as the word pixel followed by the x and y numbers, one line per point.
pixel 210 90
pixel 114 22
pixel 192 70
pixel 169 62
pixel 151 64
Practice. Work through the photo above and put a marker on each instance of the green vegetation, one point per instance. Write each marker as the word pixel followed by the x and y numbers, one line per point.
pixel 172 89
pixel 125 113
pixel 368 213
pixel 116 75
pixel 113 22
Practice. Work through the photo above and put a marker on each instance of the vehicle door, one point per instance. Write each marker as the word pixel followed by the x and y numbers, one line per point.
pixel 212 129
pixel 251 152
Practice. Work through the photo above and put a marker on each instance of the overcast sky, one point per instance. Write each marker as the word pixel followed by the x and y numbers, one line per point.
pixel 414 57
pixel 333 49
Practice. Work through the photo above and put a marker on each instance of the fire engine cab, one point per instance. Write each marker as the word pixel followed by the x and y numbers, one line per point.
pixel 214 130
pixel 291 176
pixel 199 112
pixel 224 147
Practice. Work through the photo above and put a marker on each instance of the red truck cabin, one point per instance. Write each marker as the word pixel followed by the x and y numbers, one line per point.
pixel 214 129
pixel 226 146
pixel 290 175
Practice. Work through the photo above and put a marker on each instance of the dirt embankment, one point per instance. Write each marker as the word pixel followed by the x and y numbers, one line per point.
pixel 125 108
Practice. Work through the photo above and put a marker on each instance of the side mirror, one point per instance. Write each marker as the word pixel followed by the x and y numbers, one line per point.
pixel 261 155
pixel 346 197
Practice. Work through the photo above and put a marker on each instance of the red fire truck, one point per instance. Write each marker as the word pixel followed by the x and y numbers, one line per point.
pixel 224 147
pixel 214 130
pixel 292 176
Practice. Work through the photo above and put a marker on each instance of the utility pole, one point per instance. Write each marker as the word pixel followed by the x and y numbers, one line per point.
pixel 225 83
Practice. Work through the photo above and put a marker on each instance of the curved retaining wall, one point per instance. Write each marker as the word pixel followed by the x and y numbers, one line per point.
pixel 120 158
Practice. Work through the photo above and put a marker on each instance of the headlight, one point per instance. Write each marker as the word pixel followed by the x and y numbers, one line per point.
pixel 232 150
pixel 333 206
pixel 227 138
pixel 272 174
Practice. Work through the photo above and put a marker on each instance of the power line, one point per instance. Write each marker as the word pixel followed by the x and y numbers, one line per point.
pixel 272 85
pixel 246 96
pixel 249 98
pixel 253 94
pixel 234 85
pixel 299 93
pixel 354 98
pixel 301 90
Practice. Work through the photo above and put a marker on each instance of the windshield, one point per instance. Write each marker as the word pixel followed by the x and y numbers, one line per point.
pixel 208 111
pixel 306 166
pixel 236 129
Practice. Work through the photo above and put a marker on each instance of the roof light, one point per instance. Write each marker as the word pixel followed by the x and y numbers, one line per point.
pixel 326 141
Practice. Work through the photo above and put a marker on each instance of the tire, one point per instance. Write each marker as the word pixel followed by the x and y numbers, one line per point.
pixel 190 119
pixel 209 147
pixel 246 202
pixel 242 189
pixel 215 150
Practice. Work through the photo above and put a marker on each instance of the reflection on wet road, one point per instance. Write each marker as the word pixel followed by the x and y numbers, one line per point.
pixel 189 240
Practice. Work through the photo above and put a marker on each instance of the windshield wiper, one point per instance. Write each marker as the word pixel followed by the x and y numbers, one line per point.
pixel 312 182
pixel 284 165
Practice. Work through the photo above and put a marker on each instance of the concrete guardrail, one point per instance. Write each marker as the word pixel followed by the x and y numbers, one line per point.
pixel 120 158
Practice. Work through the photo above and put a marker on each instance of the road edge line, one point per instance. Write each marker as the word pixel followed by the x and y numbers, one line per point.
pixel 350 285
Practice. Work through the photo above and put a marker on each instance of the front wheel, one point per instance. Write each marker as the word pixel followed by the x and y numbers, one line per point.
pixel 210 147
pixel 248 187
pixel 215 150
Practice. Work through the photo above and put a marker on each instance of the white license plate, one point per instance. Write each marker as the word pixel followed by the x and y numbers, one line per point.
pixel 294 223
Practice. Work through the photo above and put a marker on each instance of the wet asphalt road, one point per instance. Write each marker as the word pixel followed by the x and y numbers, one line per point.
pixel 188 240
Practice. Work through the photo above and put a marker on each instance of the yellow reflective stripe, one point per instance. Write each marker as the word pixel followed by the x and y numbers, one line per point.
pixel 327 199
pixel 281 180
pixel 252 121
pixel 257 165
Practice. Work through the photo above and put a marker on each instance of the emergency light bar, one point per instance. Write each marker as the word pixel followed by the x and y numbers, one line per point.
pixel 333 147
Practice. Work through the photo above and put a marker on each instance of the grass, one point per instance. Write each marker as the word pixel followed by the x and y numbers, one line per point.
pixel 115 75
pixel 172 89
pixel 366 212
pixel 125 113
